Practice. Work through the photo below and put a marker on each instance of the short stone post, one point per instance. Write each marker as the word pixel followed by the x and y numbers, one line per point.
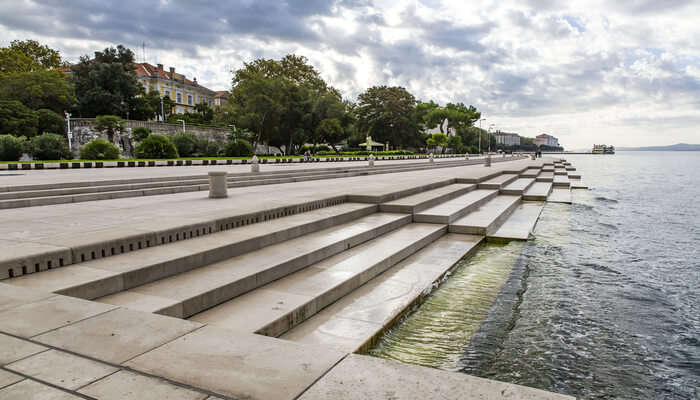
pixel 254 164
pixel 504 154
pixel 533 155
pixel 466 156
pixel 370 160
pixel 217 185
pixel 487 160
pixel 431 158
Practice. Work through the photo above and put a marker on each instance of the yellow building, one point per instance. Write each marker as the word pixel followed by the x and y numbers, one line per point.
pixel 184 92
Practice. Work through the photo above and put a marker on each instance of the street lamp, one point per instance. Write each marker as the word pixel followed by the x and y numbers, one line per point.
pixel 162 113
pixel 481 119
pixel 490 128
pixel 233 130
pixel 183 124
pixel 70 134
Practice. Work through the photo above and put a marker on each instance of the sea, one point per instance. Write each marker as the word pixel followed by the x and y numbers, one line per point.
pixel 602 303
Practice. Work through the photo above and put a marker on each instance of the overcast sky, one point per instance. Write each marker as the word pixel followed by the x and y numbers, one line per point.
pixel 596 72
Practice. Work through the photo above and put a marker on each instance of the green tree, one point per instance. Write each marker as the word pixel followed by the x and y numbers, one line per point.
pixel 16 119
pixel 109 125
pixel 437 139
pixel 140 132
pixel 39 89
pixel 106 84
pixel 11 147
pixel 49 121
pixel 28 56
pixel 455 143
pixel 389 114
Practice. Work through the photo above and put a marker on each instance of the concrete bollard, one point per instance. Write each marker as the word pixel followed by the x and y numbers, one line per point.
pixel 533 155
pixel 466 156
pixel 487 160
pixel 431 158
pixel 254 164
pixel 217 185
pixel 370 160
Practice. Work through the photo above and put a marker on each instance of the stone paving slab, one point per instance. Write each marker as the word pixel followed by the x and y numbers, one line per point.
pixel 29 389
pixel 62 369
pixel 239 365
pixel 560 195
pixel 13 296
pixel 360 377
pixel 125 385
pixel 118 335
pixel 8 378
pixel 520 224
pixel 13 349
pixel 48 314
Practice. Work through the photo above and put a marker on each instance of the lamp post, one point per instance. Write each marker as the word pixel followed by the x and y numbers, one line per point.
pixel 70 133
pixel 162 112
pixel 490 128
pixel 183 124
pixel 481 119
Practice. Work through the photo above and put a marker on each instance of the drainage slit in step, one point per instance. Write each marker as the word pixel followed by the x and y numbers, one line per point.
pixel 60 262
pixel 36 267
pixel 11 273
pixel 24 270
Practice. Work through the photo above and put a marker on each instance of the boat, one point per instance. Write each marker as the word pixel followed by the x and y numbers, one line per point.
pixel 603 149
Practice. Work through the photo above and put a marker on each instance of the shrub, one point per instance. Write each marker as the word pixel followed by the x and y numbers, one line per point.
pixel 207 148
pixel 11 147
pixel 156 146
pixel 99 149
pixel 16 119
pixel 140 132
pixel 186 144
pixel 319 148
pixel 110 125
pixel 238 148
pixel 49 146
pixel 49 121
pixel 366 153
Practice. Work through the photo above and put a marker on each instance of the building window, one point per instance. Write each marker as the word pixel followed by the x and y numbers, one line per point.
pixel 179 97
pixel 167 93
pixel 189 99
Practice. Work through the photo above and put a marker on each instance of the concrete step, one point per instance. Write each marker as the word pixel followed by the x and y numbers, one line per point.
pixel 561 181
pixel 421 201
pixel 488 217
pixel 520 223
pixel 545 176
pixel 518 186
pixel 355 321
pixel 531 173
pixel 279 306
pixel 560 171
pixel 560 195
pixel 498 182
pixel 454 209
pixel 574 175
pixel 538 191
pixel 194 291
pixel 577 183
pixel 103 276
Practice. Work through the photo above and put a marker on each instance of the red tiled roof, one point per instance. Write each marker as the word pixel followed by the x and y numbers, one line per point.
pixel 221 93
pixel 148 70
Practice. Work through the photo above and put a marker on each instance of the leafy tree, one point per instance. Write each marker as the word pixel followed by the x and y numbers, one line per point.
pixel 238 148
pixel 389 114
pixel 16 119
pixel 140 132
pixel 11 147
pixel 49 146
pixel 39 89
pixel 437 139
pixel 140 109
pixel 99 149
pixel 28 56
pixel 422 112
pixel 106 84
pixel 109 125
pixel 49 121
pixel 331 131
pixel 455 143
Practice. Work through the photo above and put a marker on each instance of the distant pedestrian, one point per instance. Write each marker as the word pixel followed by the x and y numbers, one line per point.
pixel 307 155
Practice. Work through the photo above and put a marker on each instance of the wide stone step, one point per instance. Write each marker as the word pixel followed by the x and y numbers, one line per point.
pixel 279 306
pixel 545 176
pixel 488 217
pixel 538 191
pixel 498 182
pixel 531 173
pixel 194 291
pixel 421 201
pixel 520 223
pixel 357 319
pixel 561 181
pixel 518 186
pixel 560 195
pixel 103 276
pixel 454 209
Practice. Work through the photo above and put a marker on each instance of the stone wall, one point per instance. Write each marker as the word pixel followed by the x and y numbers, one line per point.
pixel 83 131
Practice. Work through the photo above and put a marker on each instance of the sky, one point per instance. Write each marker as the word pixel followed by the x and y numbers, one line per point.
pixel 625 73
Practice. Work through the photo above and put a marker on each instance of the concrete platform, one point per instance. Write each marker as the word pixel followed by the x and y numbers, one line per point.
pixel 539 191
pixel 545 176
pixel 125 385
pixel 560 195
pixel 427 199
pixel 518 186
pixel 279 306
pixel 454 209
pixel 488 217
pixel 561 181
pixel 360 377
pixel 520 223
pixel 498 182
pixel 239 365
pixel 355 321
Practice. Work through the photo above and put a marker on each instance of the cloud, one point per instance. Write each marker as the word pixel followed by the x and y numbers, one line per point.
pixel 585 71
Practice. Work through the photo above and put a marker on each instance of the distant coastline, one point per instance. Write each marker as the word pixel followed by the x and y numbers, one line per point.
pixel 675 147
